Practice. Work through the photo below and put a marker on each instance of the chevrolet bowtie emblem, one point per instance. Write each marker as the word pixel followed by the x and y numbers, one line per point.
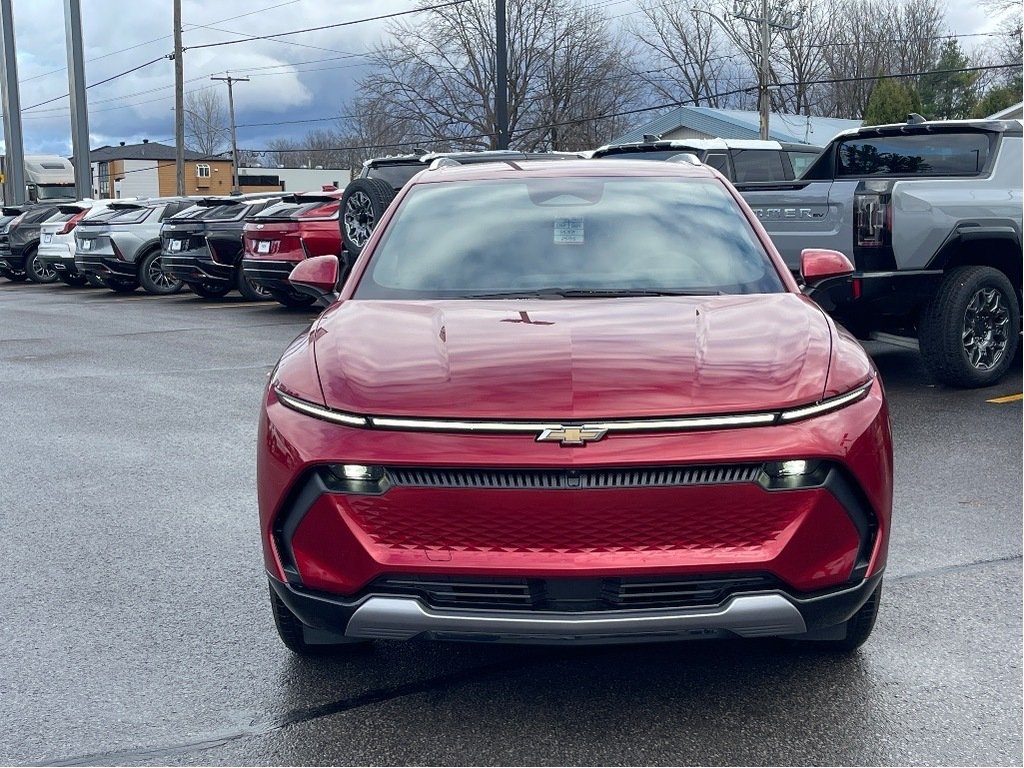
pixel 570 436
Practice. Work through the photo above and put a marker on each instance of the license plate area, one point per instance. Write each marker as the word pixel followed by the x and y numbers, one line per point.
pixel 263 246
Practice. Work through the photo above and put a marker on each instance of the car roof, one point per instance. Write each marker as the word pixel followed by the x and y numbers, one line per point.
pixel 446 171
pixel 703 144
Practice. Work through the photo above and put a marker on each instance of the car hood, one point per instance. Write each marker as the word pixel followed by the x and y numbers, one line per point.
pixel 573 359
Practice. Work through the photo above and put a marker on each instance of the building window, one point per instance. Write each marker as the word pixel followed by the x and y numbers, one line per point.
pixel 202 170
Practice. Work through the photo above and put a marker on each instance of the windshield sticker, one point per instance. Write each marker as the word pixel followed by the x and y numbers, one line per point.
pixel 568 231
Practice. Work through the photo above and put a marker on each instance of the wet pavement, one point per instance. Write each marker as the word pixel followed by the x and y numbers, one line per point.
pixel 137 629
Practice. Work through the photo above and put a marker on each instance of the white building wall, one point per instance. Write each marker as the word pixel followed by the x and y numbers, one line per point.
pixel 302 179
pixel 140 179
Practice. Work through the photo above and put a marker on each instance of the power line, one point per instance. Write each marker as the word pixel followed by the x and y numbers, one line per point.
pixel 382 17
pixel 101 82
pixel 639 110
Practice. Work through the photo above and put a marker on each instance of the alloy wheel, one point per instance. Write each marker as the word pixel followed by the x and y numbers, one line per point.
pixel 160 278
pixel 359 218
pixel 986 321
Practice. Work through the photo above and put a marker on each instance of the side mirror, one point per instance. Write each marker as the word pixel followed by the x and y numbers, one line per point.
pixel 317 277
pixel 819 264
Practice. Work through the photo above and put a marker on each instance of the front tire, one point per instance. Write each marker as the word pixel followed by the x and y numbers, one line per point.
pixel 37 271
pixel 153 279
pixel 293 633
pixel 970 329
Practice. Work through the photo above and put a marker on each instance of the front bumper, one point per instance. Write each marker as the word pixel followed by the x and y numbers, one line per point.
pixel 584 517
pixel 380 616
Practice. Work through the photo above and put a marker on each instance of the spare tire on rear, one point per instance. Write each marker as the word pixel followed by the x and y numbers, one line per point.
pixel 362 205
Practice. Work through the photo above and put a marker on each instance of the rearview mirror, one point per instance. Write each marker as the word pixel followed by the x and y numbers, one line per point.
pixel 819 264
pixel 317 277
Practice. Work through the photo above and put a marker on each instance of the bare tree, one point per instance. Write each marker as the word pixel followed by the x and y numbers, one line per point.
pixel 435 81
pixel 206 121
pixel 688 49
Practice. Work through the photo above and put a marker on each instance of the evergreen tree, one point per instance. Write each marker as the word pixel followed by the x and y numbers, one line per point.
pixel 999 98
pixel 949 95
pixel 890 102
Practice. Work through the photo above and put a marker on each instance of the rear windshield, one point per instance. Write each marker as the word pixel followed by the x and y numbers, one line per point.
pixel 129 215
pixel 301 209
pixel 758 165
pixel 395 175
pixel 62 216
pixel 660 154
pixel 222 212
pixel 458 240
pixel 195 212
pixel 925 155
pixel 100 217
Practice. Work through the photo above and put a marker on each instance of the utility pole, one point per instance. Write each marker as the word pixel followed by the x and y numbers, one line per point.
pixel 234 143
pixel 79 101
pixel 179 104
pixel 501 73
pixel 765 23
pixel 14 169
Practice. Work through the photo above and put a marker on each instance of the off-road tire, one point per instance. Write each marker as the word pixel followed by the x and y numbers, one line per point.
pixel 362 205
pixel 955 320
pixel 36 271
pixel 154 280
pixel 250 291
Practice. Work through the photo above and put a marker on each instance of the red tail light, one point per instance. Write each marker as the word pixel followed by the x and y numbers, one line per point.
pixel 71 223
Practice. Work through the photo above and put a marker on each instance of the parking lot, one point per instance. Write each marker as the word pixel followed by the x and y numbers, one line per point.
pixel 137 628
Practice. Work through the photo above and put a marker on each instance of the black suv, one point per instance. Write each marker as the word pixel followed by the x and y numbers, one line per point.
pixel 19 246
pixel 368 196
pixel 202 245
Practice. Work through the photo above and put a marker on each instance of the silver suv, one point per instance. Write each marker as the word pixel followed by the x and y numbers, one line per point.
pixel 122 248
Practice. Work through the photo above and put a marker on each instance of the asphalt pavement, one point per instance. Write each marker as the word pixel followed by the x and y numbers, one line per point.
pixel 136 627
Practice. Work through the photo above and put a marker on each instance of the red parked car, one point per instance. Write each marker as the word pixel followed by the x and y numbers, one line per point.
pixel 278 238
pixel 573 402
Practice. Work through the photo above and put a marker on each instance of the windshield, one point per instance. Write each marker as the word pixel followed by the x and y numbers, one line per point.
pixel 564 236
pixel 56 192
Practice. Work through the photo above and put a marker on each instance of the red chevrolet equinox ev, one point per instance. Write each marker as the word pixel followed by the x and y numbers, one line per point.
pixel 573 402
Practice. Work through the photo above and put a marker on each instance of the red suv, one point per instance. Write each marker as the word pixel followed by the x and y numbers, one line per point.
pixel 281 236
pixel 573 402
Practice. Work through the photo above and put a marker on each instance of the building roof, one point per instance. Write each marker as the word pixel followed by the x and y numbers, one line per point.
pixel 739 124
pixel 1010 113
pixel 147 150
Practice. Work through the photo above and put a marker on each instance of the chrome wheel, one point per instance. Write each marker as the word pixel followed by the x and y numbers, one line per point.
pixel 986 323
pixel 359 218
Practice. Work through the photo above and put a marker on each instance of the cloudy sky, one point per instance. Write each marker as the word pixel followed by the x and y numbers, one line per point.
pixel 301 77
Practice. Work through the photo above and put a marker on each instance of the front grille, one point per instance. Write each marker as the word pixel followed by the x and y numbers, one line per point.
pixel 539 479
pixel 568 595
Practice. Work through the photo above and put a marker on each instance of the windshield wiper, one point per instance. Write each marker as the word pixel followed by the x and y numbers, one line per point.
pixel 590 293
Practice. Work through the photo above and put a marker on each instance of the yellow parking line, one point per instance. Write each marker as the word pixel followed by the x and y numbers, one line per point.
pixel 1007 398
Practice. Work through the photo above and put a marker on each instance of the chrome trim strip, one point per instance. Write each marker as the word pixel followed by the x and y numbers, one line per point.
pixel 397 618
pixel 682 423
pixel 318 411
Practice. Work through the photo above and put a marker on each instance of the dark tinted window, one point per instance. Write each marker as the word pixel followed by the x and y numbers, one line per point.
pixel 719 161
pixel 758 165
pixel 396 175
pixel 222 212
pixel 929 154
pixel 129 215
pixel 669 234
pixel 659 154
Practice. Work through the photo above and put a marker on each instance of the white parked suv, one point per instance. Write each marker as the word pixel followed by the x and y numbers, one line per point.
pixel 57 237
